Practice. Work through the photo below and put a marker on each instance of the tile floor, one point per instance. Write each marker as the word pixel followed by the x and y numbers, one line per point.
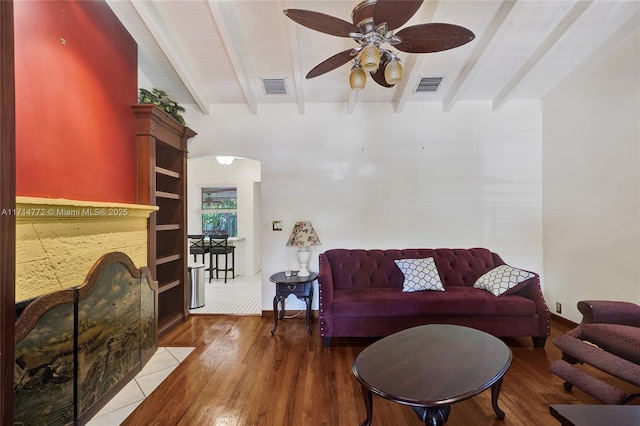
pixel 239 296
pixel 161 364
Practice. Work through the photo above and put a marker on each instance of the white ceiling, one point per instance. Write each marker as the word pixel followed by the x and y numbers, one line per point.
pixel 214 52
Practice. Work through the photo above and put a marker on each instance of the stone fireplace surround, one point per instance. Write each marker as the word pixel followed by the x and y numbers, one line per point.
pixel 59 240
pixel 61 247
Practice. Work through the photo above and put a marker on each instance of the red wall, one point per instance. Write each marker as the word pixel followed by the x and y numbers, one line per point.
pixel 76 77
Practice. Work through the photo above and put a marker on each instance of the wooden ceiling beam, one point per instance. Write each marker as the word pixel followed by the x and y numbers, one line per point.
pixel 295 60
pixel 158 29
pixel 413 62
pixel 543 48
pixel 470 69
pixel 232 51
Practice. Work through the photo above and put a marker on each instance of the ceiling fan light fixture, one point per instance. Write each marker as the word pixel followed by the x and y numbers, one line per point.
pixel 358 78
pixel 393 71
pixel 370 57
pixel 374 25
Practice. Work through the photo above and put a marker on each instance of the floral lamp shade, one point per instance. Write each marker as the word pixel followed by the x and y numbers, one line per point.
pixel 303 235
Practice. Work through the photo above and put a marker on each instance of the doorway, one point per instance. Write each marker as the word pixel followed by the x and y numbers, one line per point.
pixel 241 295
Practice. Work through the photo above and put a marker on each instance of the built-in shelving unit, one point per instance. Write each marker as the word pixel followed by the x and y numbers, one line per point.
pixel 162 181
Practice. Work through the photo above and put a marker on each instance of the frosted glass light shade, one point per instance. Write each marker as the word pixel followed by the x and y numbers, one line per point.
pixel 357 79
pixel 225 161
pixel 393 72
pixel 370 58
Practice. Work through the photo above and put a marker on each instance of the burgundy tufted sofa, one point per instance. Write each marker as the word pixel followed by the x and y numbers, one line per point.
pixel 360 294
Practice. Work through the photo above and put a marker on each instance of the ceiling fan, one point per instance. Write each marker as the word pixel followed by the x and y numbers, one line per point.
pixel 373 24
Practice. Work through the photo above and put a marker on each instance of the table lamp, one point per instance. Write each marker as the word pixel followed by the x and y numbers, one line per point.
pixel 303 236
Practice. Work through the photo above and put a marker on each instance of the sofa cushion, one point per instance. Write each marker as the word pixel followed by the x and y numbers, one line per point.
pixel 457 300
pixel 503 280
pixel 419 274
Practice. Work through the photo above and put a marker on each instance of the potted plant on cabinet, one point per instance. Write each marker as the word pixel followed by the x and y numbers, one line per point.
pixel 161 99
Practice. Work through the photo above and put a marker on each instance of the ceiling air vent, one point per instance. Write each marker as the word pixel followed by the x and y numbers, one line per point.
pixel 274 86
pixel 428 84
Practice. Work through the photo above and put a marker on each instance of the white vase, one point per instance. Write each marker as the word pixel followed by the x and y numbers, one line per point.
pixel 303 258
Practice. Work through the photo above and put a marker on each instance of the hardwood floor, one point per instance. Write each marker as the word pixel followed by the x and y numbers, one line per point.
pixel 240 375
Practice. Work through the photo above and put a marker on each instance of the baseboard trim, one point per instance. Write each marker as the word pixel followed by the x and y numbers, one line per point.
pixel 290 313
pixel 563 321
pixel 315 314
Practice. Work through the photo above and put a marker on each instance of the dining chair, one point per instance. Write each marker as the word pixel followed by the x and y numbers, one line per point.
pixel 219 245
pixel 198 246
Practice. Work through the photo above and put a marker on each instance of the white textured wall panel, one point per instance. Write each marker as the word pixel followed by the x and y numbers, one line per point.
pixel 592 183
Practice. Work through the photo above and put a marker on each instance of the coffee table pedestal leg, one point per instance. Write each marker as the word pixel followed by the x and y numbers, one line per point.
pixel 433 416
pixel 495 393
pixel 367 395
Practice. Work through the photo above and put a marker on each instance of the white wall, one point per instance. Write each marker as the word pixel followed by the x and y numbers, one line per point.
pixel 257 228
pixel 591 170
pixel 243 174
pixel 377 179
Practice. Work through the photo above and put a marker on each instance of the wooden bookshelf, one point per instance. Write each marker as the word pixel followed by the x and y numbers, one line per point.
pixel 162 181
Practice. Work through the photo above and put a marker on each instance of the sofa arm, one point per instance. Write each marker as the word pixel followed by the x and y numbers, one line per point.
pixel 325 296
pixel 607 311
pixel 533 291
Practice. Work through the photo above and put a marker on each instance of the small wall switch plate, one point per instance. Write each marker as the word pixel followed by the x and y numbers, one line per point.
pixel 558 307
pixel 276 225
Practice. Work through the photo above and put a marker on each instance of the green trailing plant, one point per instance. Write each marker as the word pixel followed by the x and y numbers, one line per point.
pixel 160 98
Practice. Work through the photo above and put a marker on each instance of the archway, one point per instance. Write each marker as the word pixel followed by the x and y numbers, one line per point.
pixel 242 179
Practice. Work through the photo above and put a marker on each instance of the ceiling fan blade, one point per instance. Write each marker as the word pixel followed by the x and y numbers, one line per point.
pixel 395 13
pixel 321 22
pixel 330 64
pixel 433 37
pixel 362 16
pixel 378 76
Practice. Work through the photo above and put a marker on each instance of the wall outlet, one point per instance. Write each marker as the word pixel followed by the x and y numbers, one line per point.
pixel 558 307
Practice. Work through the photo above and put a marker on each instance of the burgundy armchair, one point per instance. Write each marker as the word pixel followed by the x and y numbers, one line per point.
pixel 608 338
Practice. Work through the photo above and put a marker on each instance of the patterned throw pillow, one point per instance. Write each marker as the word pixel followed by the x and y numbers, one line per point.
pixel 502 279
pixel 419 274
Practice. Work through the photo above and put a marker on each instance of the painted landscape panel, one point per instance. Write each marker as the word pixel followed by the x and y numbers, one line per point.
pixel 43 369
pixel 108 334
pixel 76 348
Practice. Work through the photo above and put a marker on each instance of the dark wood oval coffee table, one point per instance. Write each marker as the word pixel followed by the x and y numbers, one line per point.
pixel 431 367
